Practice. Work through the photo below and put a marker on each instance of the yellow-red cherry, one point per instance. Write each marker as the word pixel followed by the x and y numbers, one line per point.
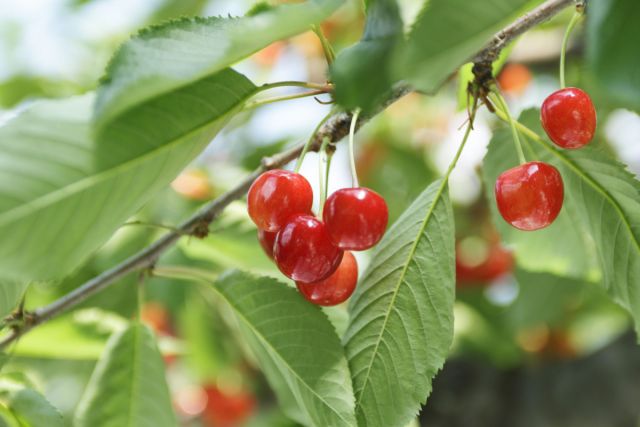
pixel 303 250
pixel 530 196
pixel 275 196
pixel 336 288
pixel 356 218
pixel 569 118
pixel 267 239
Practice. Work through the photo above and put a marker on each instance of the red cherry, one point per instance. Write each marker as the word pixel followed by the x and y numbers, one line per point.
pixel 267 239
pixel 530 196
pixel 336 288
pixel 275 196
pixel 569 118
pixel 496 262
pixel 303 250
pixel 356 218
pixel 227 409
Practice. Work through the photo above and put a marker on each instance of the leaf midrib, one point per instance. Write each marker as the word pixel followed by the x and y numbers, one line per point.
pixel 412 251
pixel 91 180
pixel 267 344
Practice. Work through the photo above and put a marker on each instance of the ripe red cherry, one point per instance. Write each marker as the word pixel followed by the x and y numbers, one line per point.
pixel 569 118
pixel 267 239
pixel 530 196
pixel 303 250
pixel 336 288
pixel 356 218
pixel 275 196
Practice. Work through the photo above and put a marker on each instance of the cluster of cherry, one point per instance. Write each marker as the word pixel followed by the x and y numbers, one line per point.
pixel 314 253
pixel 530 196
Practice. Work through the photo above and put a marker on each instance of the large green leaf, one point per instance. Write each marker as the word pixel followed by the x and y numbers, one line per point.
pixel 447 33
pixel 10 294
pixel 128 387
pixel 296 347
pixel 356 85
pixel 402 313
pixel 612 48
pixel 165 58
pixel 565 248
pixel 607 201
pixel 63 194
pixel 28 406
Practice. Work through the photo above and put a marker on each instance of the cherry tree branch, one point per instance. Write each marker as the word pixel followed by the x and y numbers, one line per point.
pixel 336 128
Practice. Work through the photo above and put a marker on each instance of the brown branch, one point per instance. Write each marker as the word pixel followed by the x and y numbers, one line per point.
pixel 336 128
pixel 542 13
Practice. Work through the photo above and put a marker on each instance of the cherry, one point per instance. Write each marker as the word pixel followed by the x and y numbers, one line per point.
pixel 356 218
pixel 303 250
pixel 530 196
pixel 476 266
pixel 336 288
pixel 267 239
pixel 569 118
pixel 275 196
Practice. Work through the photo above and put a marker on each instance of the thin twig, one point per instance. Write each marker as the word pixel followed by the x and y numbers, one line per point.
pixel 336 128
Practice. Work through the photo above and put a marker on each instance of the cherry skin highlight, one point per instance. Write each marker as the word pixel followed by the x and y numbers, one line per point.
pixel 267 239
pixel 336 288
pixel 356 218
pixel 569 118
pixel 530 196
pixel 303 250
pixel 275 196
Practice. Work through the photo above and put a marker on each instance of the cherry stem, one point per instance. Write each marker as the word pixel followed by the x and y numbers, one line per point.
pixel 307 146
pixel 261 102
pixel 150 224
pixel 329 54
pixel 324 178
pixel 352 157
pixel 502 105
pixel 467 132
pixel 574 20
pixel 293 83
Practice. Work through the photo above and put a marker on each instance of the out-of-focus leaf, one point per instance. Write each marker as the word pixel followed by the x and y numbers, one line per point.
pixel 447 33
pixel 164 59
pixel 356 82
pixel 295 346
pixel 128 387
pixel 27 405
pixel 7 419
pixel 612 48
pixel 401 324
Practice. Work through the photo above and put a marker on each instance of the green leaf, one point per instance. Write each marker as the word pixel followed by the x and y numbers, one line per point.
pixel 165 58
pixel 7 419
pixel 28 406
pixel 128 387
pixel 402 313
pixel 564 248
pixel 10 295
pixel 447 33
pixel 356 85
pixel 612 48
pixel 60 189
pixel 607 200
pixel 296 347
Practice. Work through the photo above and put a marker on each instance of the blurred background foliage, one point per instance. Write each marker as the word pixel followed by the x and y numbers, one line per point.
pixel 534 320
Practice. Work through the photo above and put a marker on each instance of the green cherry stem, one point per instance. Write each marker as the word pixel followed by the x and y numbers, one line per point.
pixel 352 158
pixel 306 147
pixel 329 54
pixel 323 163
pixel 260 102
pixel 574 20
pixel 502 105
pixel 293 83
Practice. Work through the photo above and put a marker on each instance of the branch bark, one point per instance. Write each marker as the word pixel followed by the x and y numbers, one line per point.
pixel 336 128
